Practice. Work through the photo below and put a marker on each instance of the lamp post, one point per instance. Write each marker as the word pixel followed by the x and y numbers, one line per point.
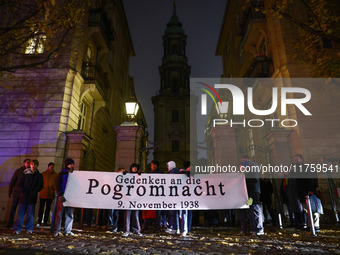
pixel 129 137
pixel 131 107
pixel 222 109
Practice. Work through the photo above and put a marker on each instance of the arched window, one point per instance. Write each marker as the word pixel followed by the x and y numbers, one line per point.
pixel 175 116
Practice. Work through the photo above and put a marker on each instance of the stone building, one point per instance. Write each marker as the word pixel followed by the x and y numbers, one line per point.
pixel 70 105
pixel 255 43
pixel 172 102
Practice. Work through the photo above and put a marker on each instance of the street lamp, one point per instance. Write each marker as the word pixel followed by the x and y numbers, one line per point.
pixel 129 137
pixel 222 110
pixel 131 107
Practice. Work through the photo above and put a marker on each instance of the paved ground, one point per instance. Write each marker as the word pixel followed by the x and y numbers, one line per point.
pixel 201 241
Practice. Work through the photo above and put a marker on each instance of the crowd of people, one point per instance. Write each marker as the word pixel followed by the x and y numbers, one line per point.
pixel 27 182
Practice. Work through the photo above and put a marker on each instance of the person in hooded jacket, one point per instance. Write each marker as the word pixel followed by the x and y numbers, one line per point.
pixel 61 185
pixel 30 184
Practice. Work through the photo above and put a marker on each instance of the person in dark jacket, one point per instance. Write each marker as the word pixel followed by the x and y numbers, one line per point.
pixel 30 184
pixel 254 213
pixel 13 190
pixel 185 220
pixel 266 199
pixel 306 187
pixel 173 214
pixel 147 214
pixel 132 216
pixel 61 186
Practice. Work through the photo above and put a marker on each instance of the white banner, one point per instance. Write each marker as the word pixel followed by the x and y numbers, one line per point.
pixel 109 190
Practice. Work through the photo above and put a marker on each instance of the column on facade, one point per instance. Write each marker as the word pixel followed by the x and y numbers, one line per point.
pixel 225 146
pixel 279 145
pixel 128 145
pixel 77 142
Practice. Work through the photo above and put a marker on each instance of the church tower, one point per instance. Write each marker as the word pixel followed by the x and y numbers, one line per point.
pixel 172 102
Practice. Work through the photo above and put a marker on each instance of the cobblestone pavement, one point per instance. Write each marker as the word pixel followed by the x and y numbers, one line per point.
pixel 201 241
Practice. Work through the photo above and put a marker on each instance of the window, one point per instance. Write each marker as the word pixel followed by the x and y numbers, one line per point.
pixel 88 54
pixel 175 146
pixel 82 117
pixel 262 49
pixel 174 50
pixel 89 68
pixel 175 116
pixel 35 44
pixel 174 86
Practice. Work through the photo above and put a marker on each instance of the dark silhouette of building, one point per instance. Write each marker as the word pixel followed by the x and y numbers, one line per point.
pixel 172 102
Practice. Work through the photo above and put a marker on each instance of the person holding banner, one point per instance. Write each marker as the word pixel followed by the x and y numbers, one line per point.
pixel 184 214
pixel 61 185
pixel 254 213
pixel 149 215
pixel 116 223
pixel 132 216
pixel 173 214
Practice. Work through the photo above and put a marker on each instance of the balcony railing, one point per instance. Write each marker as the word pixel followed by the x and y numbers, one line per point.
pixel 88 71
pixel 254 13
pixel 261 67
pixel 90 74
pixel 97 18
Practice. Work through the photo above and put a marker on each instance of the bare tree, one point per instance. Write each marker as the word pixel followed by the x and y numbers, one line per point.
pixel 318 26
pixel 36 29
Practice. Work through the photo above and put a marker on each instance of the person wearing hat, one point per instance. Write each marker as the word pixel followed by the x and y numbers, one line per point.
pixel 61 185
pixel 47 194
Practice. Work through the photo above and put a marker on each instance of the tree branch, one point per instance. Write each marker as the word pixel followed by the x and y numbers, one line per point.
pixel 312 12
pixel 46 59
pixel 306 27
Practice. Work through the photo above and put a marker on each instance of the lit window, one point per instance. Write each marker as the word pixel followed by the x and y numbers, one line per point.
pixel 35 44
pixel 82 116
pixel 88 54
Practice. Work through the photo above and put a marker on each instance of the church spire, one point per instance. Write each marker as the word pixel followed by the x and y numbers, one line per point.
pixel 174 70
pixel 174 14
pixel 171 104
pixel 174 26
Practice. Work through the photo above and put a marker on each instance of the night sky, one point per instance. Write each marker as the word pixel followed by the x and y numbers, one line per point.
pixel 147 19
